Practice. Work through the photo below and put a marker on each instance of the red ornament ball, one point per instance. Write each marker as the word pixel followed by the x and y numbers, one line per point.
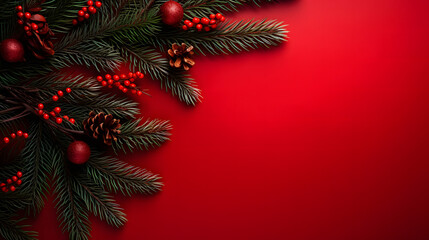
pixel 172 13
pixel 78 152
pixel 11 50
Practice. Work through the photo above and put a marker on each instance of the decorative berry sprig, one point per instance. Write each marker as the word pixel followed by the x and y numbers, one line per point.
pixel 124 82
pixel 13 136
pixel 31 23
pixel 12 183
pixel 85 12
pixel 54 115
pixel 204 23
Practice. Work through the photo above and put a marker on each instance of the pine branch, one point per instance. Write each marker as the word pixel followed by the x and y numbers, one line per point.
pixel 117 176
pixel 149 134
pixel 13 230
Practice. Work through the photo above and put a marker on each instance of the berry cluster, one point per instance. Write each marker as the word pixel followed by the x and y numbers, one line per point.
pixel 85 11
pixel 14 135
pixel 124 82
pixel 55 113
pixel 204 23
pixel 30 24
pixel 12 183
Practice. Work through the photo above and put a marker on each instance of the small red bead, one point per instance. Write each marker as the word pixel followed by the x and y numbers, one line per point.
pixel 19 133
pixel 139 93
pixel 186 22
pixel 134 75
pixel 25 135
pixel 86 16
pixel 52 114
pixel 19 182
pixel 60 93
pixel 90 3
pixel 222 19
pixel 14 178
pixel 117 84
pixel 108 76
pixel 196 20
pixel 218 15
pixel 104 83
pixel 68 90
pixel 40 106
pixel 80 13
pixel 58 120
pixel 6 140
pixel 99 78
pixel 66 117
pixel 55 98
pixel 127 83
pixel 98 4
pixel 205 21
pixel 2 184
pixel 80 19
pixel 212 21
pixel 27 15
pixel 110 81
pixel 19 8
pixel 85 9
pixel 29 34
pixel 40 112
pixel 123 76
pixel 199 27
pixel 116 77
pixel 141 75
pixel 132 80
pixel 124 90
pixel 57 110
pixel 19 174
pixel 34 26
pixel 132 85
pixel 13 135
pixel 92 10
pixel 20 14
pixel 74 21
pixel 20 22
pixel 133 91
pixel 46 116
pixel 72 121
pixel 184 27
pixel 130 75
pixel 213 26
pixel 4 189
pixel 138 73
pixel 12 188
pixel 120 87
pixel 26 28
pixel 207 29
pixel 190 24
pixel 9 181
pixel 212 16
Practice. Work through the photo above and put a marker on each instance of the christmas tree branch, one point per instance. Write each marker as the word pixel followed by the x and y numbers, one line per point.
pixel 11 229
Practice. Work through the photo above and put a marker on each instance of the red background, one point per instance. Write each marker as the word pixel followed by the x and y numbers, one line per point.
pixel 324 137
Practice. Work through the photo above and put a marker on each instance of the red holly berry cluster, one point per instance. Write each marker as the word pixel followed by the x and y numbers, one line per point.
pixel 14 135
pixel 12 183
pixel 55 113
pixel 204 23
pixel 24 19
pixel 124 82
pixel 85 11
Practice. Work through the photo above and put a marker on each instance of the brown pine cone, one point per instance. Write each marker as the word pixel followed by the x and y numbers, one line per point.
pixel 180 56
pixel 102 125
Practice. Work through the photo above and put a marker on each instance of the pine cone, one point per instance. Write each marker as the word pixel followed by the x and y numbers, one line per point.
pixel 39 42
pixel 102 125
pixel 180 56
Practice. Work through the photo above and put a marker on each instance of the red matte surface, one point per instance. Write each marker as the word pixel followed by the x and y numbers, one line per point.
pixel 325 137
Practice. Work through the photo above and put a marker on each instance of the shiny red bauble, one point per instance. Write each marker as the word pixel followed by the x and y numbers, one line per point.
pixel 78 152
pixel 172 13
pixel 11 50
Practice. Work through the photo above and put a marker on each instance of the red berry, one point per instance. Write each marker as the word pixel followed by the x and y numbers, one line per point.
pixel 4 189
pixel 132 85
pixel 72 121
pixel 46 116
pixel 13 135
pixel 123 76
pixel 57 110
pixel 20 22
pixel 104 83
pixel 74 21
pixel 14 178
pixel 20 14
pixel 9 181
pixel 99 78
pixel 218 15
pixel 55 98
pixel 80 19
pixel 108 76
pixel 92 10
pixel 110 86
pixel 115 77
pixel 186 22
pixel 68 90
pixel 34 26
pixel 26 28
pixel 6 140
pixel 19 133
pixel 98 4
pixel 12 188
pixel 207 29
pixel 25 135
pixel 80 13
pixel 184 27
pixel 60 93
pixel 130 75
pixel 212 16
pixel 124 90
pixel 199 27
pixel 52 114
pixel 132 79
pixel 110 81
pixel 66 117
pixel 222 19
pixel 120 87
pixel 127 83
pixel 134 75
pixel 85 9
pixel 27 15
pixel 139 93
pixel 19 8
pixel 214 26
pixel 196 20
pixel 117 84
pixel 40 106
pixel 212 21
pixel 86 16
pixel 190 24
pixel 2 184
pixel 19 182
pixel 19 174
pixel 90 3
pixel 133 91
pixel 205 21
pixel 58 120
pixel 29 34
